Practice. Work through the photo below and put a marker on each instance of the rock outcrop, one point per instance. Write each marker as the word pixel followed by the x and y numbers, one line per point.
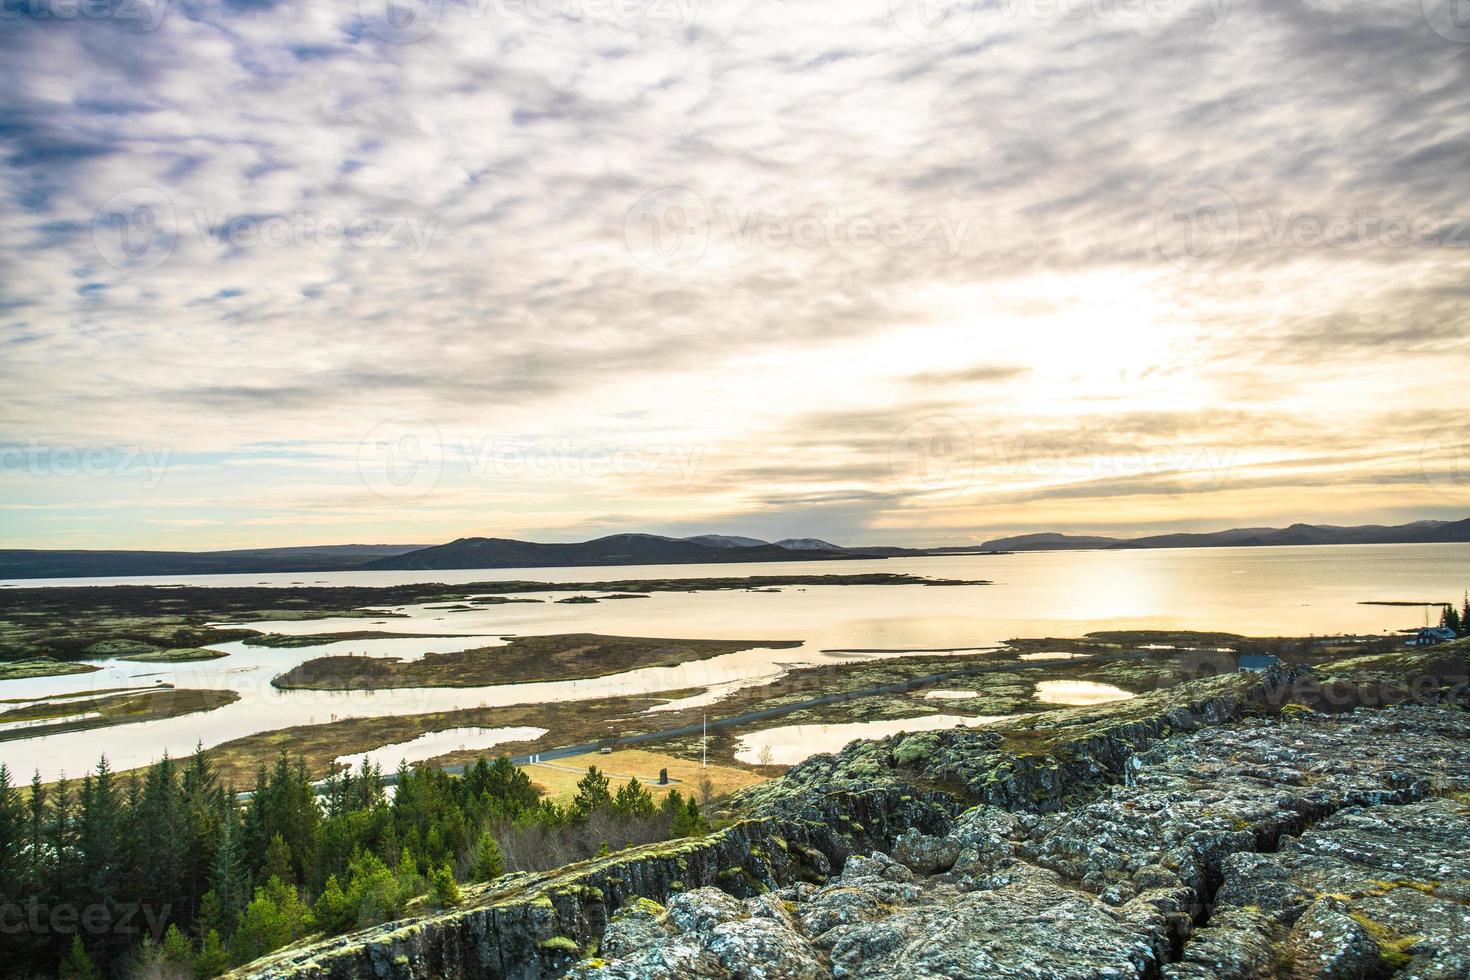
pixel 1221 829
pixel 1311 846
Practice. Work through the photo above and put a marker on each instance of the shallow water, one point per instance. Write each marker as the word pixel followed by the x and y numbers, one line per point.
pixel 790 744
pixel 1262 591
pixel 1077 693
pixel 432 744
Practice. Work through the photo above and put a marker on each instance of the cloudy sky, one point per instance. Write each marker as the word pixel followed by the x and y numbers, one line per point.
pixel 886 272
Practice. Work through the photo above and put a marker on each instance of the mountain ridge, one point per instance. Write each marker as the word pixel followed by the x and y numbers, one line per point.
pixel 1415 532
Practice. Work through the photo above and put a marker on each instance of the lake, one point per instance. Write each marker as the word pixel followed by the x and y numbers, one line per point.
pixel 1260 591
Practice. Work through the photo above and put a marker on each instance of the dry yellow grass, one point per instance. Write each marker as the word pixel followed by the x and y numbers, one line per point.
pixel 558 779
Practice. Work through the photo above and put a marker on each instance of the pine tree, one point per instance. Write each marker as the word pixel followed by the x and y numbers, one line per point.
pixel 177 951
pixel 76 964
pixel 12 839
pixel 278 861
pixel 489 863
pixel 592 794
pixel 274 918
pixel 332 911
pixel 164 863
pixel 228 880
pixel 443 890
pixel 212 959
pixel 633 801
pixel 38 856
pixel 100 840
pixel 207 806
pixel 1449 619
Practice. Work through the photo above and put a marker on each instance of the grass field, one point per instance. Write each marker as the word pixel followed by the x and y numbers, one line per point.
pixel 558 779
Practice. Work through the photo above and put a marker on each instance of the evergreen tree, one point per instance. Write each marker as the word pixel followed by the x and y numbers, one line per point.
pixel 38 854
pixel 592 794
pixel 212 959
pixel 633 801
pixel 12 838
pixel 228 880
pixel 1449 619
pixel 332 911
pixel 102 849
pixel 177 951
pixel 443 890
pixel 489 864
pixel 207 806
pixel 278 861
pixel 162 820
pixel 274 918
pixel 76 964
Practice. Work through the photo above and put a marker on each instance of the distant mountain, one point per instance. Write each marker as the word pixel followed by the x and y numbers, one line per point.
pixel 1047 541
pixel 726 541
pixel 808 544
pixel 1419 532
pixel 28 563
pixel 653 549
pixel 616 549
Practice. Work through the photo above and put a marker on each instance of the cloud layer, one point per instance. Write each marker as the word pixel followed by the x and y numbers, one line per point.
pixel 872 270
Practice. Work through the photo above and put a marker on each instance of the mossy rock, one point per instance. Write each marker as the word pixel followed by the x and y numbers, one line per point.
pixel 916 748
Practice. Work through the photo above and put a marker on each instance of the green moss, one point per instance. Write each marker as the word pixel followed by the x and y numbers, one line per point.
pixel 916 748
pixel 560 944
pixel 645 905
pixel 1393 947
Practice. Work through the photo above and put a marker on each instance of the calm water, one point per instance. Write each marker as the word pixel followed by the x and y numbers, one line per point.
pixel 1262 591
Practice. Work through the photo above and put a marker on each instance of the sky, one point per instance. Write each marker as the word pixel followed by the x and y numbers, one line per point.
pixel 877 271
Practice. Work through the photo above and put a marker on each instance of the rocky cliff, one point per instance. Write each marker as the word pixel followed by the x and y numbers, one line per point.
pixel 1225 828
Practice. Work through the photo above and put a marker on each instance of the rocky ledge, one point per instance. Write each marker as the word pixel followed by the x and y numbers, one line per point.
pixel 1221 829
